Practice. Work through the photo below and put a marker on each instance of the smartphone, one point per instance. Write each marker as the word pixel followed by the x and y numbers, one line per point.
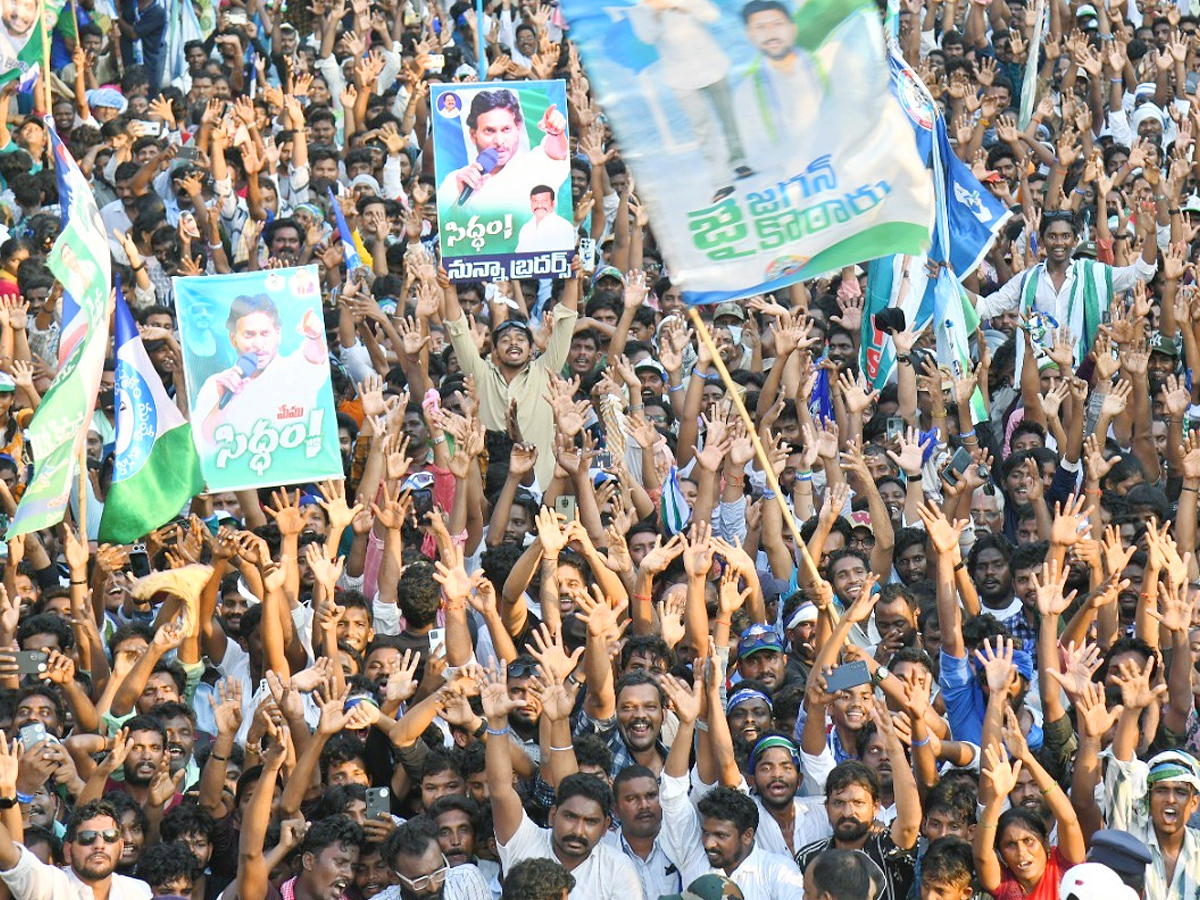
pixel 1106 317
pixel 895 427
pixel 846 676
pixel 139 561
pixel 565 507
pixel 147 129
pixel 237 17
pixel 957 465
pixel 379 803
pixel 187 221
pixel 437 642
pixel 587 254
pixel 437 62
pixel 187 153
pixel 31 734
pixel 31 662
pixel 602 459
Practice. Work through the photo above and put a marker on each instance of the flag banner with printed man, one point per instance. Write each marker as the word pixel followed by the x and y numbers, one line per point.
pixel 503 167
pixel 155 468
pixel 21 48
pixel 80 260
pixel 349 250
pixel 766 145
pixel 258 378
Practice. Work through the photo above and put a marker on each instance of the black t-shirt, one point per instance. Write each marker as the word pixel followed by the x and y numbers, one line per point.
pixel 898 865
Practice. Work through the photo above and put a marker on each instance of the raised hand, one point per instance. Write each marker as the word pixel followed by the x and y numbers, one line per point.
pixel 999 772
pixel 287 513
pixel 997 663
pixel 1134 681
pixel 493 694
pixel 1094 717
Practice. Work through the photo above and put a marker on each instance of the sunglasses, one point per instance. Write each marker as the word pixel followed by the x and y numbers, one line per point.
pixel 522 670
pixel 87 838
pixel 419 884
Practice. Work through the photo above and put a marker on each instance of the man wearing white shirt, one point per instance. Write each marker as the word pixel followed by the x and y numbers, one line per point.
pixel 717 835
pixel 546 231
pixel 92 848
pixel 635 790
pixel 415 855
pixel 580 816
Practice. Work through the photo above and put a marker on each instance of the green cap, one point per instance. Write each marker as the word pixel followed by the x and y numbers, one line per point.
pixel 708 887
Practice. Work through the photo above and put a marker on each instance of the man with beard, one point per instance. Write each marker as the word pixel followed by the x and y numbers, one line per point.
pixel 580 816
pixel 852 804
pixel 896 622
pixel 761 657
pixel 635 794
pixel 232 606
pixel 1027 561
pixel 144 751
pixel 716 835
pixel 179 721
pixel 425 873
pixel 749 712
pixel 990 566
pixel 92 847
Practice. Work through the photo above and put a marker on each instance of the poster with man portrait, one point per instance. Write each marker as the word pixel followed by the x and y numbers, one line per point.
pixel 503 166
pixel 765 142
pixel 258 378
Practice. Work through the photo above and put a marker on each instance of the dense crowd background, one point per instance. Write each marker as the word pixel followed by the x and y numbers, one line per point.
pixel 426 681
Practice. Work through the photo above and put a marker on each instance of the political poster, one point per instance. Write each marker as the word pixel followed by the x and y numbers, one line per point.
pixel 503 166
pixel 258 380
pixel 765 142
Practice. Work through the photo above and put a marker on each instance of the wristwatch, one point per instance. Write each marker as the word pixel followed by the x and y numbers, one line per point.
pixel 479 732
pixel 880 674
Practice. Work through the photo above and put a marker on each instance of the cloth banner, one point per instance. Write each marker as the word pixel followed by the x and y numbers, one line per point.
pixel 258 378
pixel 503 165
pixel 767 150
pixel 80 260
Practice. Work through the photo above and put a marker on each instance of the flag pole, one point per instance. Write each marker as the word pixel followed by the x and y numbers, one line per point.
pixel 731 390
pixel 46 101
pixel 82 523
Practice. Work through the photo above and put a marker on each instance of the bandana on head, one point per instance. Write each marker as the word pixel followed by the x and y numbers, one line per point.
pixel 770 742
pixel 743 695
pixel 1173 766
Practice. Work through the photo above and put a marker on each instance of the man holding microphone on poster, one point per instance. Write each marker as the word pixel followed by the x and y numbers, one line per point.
pixel 501 176
pixel 261 380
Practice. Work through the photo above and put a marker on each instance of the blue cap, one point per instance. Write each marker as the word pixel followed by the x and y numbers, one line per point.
pixel 756 638
pixel 1023 662
pixel 1120 851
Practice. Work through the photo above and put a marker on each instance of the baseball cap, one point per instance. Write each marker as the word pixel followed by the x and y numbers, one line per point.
pixel 653 365
pixel 757 638
pixel 1192 204
pixel 708 887
pixel 729 309
pixel 508 324
pixel 607 272
pixel 1159 343
pixel 861 519
pixel 7 385
pixel 1119 851
pixel 1093 879
pixel 109 97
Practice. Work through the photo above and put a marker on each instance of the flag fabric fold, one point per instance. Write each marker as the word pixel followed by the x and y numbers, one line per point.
pixel 81 262
pixel 350 251
pixel 674 512
pixel 155 470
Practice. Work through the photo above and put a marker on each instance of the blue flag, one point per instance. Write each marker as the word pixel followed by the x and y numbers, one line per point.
pixel 353 260
pixel 969 210
pixel 820 405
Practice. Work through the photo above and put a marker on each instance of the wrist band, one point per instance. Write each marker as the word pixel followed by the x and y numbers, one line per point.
pixel 499 732
pixel 638 408
pixel 966 434
pixel 1192 489
pixel 768 494
pixel 1049 789
pixel 24 798
pixel 218 757
pixel 74 581
pixel 1116 80
pixel 804 476
pixel 920 743
pixel 558 749
pixel 960 566
pixel 671 389
pixel 917 476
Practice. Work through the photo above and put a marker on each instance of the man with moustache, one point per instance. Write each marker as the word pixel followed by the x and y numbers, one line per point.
pixel 425 873
pixel 852 795
pixel 787 822
pixel 92 847
pixel 636 803
pixel 800 629
pixel 633 734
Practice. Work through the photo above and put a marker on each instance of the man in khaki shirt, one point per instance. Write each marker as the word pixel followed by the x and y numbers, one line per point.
pixel 512 373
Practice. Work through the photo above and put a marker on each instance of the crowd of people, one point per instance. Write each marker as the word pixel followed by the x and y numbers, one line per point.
pixel 555 635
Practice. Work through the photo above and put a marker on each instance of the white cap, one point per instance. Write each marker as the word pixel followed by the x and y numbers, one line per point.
pixel 1089 880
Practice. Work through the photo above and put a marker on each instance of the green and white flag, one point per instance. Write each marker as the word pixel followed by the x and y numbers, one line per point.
pixel 1029 82
pixel 155 470
pixel 80 260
